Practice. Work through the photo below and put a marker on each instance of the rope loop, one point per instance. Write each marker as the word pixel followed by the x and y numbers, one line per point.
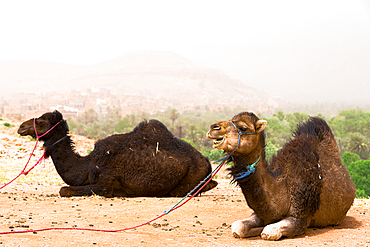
pixel 24 172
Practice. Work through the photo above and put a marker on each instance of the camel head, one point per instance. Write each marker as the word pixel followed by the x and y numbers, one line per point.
pixel 225 134
pixel 43 124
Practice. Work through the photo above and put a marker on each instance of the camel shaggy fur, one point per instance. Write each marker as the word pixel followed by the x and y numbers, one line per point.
pixel 149 161
pixel 305 185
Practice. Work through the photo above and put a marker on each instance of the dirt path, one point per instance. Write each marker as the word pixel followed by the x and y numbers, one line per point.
pixel 203 221
pixel 32 202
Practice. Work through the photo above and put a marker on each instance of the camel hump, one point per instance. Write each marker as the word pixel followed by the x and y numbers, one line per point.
pixel 153 129
pixel 152 124
pixel 314 126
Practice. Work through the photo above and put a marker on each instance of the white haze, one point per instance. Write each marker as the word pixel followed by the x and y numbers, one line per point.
pixel 301 51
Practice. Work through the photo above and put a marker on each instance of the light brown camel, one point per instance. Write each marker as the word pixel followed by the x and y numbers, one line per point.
pixel 305 185
pixel 149 161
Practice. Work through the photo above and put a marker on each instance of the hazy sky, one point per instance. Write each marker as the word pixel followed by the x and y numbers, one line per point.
pixel 304 51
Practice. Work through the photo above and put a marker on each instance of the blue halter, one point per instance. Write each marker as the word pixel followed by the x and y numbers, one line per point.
pixel 250 168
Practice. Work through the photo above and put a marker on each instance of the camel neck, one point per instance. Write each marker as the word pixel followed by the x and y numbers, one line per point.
pixel 261 185
pixel 61 139
pixel 71 167
pixel 249 170
pixel 56 142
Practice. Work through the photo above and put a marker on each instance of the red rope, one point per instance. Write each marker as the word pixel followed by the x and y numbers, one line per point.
pixel 89 229
pixel 118 230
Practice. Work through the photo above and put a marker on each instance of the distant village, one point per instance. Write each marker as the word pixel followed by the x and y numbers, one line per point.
pixel 72 103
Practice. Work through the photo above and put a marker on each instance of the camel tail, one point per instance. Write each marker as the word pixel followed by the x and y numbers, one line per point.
pixel 316 127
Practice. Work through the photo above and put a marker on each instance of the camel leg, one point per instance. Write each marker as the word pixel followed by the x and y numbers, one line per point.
pixel 209 186
pixel 86 190
pixel 287 227
pixel 250 227
pixel 181 190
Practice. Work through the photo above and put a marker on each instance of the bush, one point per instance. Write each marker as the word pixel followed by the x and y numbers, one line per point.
pixel 271 150
pixel 348 158
pixel 359 171
pixel 214 154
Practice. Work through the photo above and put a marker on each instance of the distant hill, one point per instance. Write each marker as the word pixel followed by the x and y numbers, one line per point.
pixel 160 75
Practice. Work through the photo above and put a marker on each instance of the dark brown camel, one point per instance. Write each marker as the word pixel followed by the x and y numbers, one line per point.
pixel 304 186
pixel 149 161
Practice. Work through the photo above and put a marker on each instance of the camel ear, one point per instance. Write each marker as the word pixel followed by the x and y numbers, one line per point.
pixel 56 117
pixel 260 125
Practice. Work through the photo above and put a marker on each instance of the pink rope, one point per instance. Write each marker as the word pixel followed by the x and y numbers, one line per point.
pixel 28 161
pixel 89 229
pixel 118 230
pixel 42 157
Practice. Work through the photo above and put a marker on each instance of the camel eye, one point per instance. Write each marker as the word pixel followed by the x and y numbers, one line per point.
pixel 216 127
pixel 243 129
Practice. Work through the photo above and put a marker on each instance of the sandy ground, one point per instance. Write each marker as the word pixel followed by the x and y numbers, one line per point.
pixel 32 203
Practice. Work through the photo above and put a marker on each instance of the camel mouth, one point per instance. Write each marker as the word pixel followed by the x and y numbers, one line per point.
pixel 218 142
pixel 22 132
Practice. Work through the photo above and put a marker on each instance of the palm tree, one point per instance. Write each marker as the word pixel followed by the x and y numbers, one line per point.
pixel 358 145
pixel 193 134
pixel 174 115
pixel 89 116
pixel 180 130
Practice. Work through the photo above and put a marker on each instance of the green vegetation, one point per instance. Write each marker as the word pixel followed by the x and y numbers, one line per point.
pixel 351 129
pixel 359 171
pixel 32 139
pixel 214 154
pixel 8 125
pixel 2 175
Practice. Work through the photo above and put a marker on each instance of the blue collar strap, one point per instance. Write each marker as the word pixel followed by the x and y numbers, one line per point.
pixel 250 170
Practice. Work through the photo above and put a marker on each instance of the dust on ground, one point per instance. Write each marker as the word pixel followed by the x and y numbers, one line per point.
pixel 32 202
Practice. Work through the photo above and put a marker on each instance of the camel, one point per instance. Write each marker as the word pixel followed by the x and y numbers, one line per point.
pixel 305 184
pixel 149 161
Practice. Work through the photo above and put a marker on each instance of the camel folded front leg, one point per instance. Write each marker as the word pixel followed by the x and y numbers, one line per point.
pixel 287 227
pixel 250 227
pixel 85 190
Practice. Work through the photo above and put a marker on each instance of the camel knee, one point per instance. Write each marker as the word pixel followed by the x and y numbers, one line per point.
pixel 287 227
pixel 238 229
pixel 66 192
pixel 245 228
pixel 271 232
pixel 87 190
